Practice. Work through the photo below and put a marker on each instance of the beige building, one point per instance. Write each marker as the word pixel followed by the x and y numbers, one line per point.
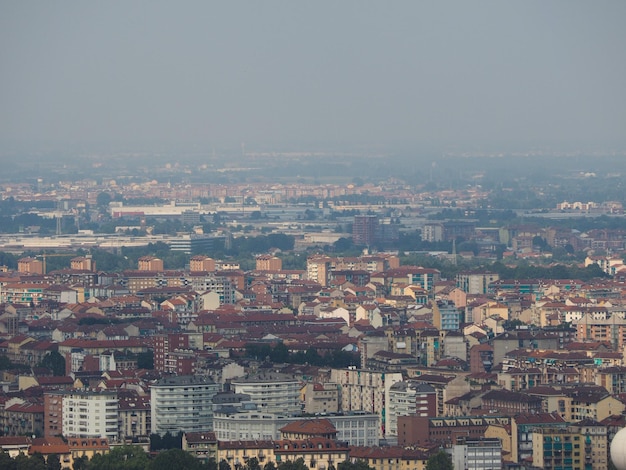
pixel 29 266
pixel 268 263
pixel 150 263
pixel 201 263
pixel 320 398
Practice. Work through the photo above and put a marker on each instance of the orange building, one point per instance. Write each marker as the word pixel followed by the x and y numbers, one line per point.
pixel 30 266
pixel 83 263
pixel 268 263
pixel 201 263
pixel 150 263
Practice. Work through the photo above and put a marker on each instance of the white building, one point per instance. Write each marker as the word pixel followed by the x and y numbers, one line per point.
pixel 234 424
pixel 409 398
pixel 182 403
pixel 89 413
pixel 271 392
pixel 477 454
pixel 365 390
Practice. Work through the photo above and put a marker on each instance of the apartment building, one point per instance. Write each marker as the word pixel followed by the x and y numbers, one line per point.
pixel 90 413
pixel 182 403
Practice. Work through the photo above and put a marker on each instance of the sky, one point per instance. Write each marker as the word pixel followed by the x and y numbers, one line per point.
pixel 313 74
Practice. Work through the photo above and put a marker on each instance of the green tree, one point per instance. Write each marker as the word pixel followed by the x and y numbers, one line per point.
pixel 175 458
pixel 120 458
pixel 55 362
pixel 440 461
pixel 269 466
pixel 289 465
pixel 53 462
pixel 223 465
pixel 6 461
pixel 80 463
pixel 358 465
pixel 253 464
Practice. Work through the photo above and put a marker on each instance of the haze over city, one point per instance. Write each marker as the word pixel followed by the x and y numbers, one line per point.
pixel 227 78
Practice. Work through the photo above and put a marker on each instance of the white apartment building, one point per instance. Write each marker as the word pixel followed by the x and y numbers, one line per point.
pixel 365 390
pixel 409 398
pixel 90 413
pixel 182 403
pixel 477 454
pixel 271 392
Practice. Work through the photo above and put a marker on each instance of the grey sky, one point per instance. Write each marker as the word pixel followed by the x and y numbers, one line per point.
pixel 325 73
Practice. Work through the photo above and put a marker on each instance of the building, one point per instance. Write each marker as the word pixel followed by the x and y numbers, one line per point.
pixel 409 398
pixel 477 454
pixel 83 263
pixel 150 263
pixel 446 316
pixel 90 414
pixel 320 398
pixel 559 448
pixel 364 228
pixel 192 244
pixel 182 403
pixel 202 445
pixel 472 282
pixel 201 263
pixel 134 417
pixel 271 392
pixel 365 390
pixel 29 266
pixel 268 263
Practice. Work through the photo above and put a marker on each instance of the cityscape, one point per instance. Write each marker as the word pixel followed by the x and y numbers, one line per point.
pixel 312 236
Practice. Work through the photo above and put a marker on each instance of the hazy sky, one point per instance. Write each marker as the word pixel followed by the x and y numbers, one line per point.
pixel 292 74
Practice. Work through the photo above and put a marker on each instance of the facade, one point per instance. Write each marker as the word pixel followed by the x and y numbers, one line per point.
pixel 182 403
pixel 202 445
pixel 365 390
pixel 134 419
pixel 320 398
pixel 477 454
pixel 559 448
pixel 446 316
pixel 364 229
pixel 268 263
pixel 475 282
pixel 90 414
pixel 149 263
pixel 53 413
pixel 271 392
pixel 201 263
pixel 409 398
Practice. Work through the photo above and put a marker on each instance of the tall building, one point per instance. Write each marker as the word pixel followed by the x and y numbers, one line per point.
pixel 365 390
pixel 29 266
pixel 150 263
pixel 271 392
pixel 88 413
pixel 182 403
pixel 201 263
pixel 364 229
pixel 268 263
pixel 409 398
pixel 477 454
pixel 83 263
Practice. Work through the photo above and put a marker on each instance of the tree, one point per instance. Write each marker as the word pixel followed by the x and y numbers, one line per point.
pixel 358 465
pixel 253 464
pixel 269 466
pixel 53 462
pixel 175 458
pixel 80 463
pixel 55 362
pixel 289 465
pixel 121 458
pixel 224 465
pixel 6 462
pixel 440 461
